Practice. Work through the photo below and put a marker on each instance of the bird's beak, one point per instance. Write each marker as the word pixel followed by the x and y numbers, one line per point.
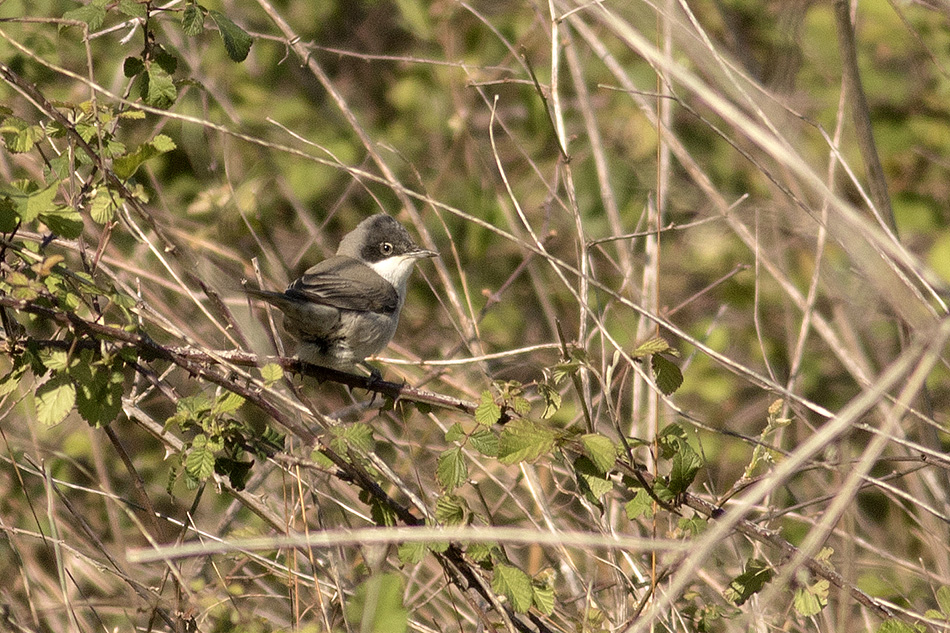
pixel 423 253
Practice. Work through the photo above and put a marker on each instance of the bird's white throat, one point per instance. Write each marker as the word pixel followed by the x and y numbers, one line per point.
pixel 396 270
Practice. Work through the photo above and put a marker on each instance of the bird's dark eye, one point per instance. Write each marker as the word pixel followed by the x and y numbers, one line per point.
pixel 386 248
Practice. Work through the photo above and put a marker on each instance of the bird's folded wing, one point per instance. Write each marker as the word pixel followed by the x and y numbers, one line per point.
pixel 346 284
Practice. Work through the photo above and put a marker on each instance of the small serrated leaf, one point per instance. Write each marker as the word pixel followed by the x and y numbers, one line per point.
pixel 686 463
pixel 552 400
pixel 63 221
pixel 755 576
pixel 809 601
pixel 132 8
pixel 590 479
pixel 543 599
pixel 228 402
pixel 192 20
pixel 451 470
pixel 601 451
pixel 485 442
pixel 271 373
pixel 102 207
pixel 55 359
pixel 943 600
pixel 132 66
pixel 451 510
pixel 200 461
pixel 54 400
pixel 93 14
pixel 515 585
pixel 99 392
pixel 487 412
pixel 30 201
pixel 667 375
pixel 524 440
pixel 411 553
pixel 357 436
pixel 654 345
pixel 158 89
pixel 455 433
pixel 640 505
pixel 125 166
pixel 236 40
pixel 11 381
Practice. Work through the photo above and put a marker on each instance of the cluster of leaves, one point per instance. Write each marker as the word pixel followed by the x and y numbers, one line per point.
pixel 154 70
pixel 220 443
pixel 74 371
pixel 503 430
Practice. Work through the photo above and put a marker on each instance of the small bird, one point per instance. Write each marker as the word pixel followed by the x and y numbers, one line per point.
pixel 347 307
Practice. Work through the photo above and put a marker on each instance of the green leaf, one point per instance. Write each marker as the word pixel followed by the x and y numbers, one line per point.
pixel 377 607
pixel 481 552
pixel 55 359
pixel 686 463
pixel 455 433
pixel 655 345
pixel 411 553
pixel 543 599
pixel 357 436
pixel 271 373
pixel 125 166
pixel 63 221
pixel 693 526
pixel 382 514
pixel 487 412
pixel 601 451
pixel 157 88
pixel 552 399
pixel 200 461
pixel 515 585
pixel 93 14
pixel 451 470
pixel 943 600
pixel 451 510
pixel 19 136
pixel 809 601
pixel 670 439
pixel 102 207
pixel 485 442
pixel 591 479
pixel 898 626
pixel 165 60
pixel 132 66
pixel 755 576
pixel 193 408
pixel 524 440
pixel 8 215
pixel 193 20
pixel 667 375
pixel 132 8
pixel 99 398
pixel 54 400
pixel 31 201
pixel 520 405
pixel 11 381
pixel 236 41
pixel 228 402
pixel 640 505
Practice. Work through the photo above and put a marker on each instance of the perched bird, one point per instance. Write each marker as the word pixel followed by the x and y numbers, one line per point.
pixel 347 307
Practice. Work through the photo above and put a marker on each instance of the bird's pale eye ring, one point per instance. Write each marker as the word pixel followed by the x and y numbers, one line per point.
pixel 386 248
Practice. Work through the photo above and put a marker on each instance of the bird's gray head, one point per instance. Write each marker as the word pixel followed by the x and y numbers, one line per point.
pixel 384 245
